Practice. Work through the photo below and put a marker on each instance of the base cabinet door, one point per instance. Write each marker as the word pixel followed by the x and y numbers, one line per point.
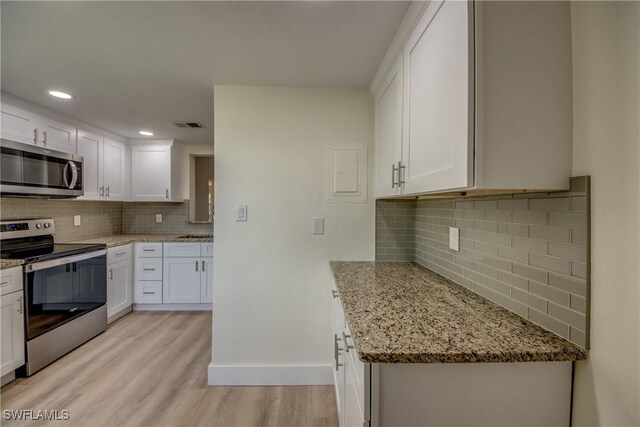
pixel 11 332
pixel 119 287
pixel 181 280
pixel 206 285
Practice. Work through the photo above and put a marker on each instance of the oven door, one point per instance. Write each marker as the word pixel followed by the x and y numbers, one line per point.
pixel 60 290
pixel 28 170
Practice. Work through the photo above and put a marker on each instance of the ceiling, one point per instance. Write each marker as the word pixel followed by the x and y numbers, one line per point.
pixel 143 65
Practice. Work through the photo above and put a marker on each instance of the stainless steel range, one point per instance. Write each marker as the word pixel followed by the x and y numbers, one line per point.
pixel 65 288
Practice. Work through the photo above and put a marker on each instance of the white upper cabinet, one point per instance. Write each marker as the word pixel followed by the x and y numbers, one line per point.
pixel 486 99
pixel 57 135
pixel 389 132
pixel 113 161
pixel 437 143
pixel 18 124
pixel 155 173
pixel 90 148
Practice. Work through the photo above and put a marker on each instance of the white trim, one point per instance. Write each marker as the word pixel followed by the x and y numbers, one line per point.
pixel 120 314
pixel 172 307
pixel 235 375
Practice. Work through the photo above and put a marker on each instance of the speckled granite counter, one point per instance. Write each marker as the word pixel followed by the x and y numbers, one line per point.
pixel 123 239
pixel 8 263
pixel 404 313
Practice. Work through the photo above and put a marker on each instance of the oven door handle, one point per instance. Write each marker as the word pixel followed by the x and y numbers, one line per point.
pixel 37 266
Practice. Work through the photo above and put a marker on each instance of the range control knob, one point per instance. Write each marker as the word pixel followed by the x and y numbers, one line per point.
pixel 38 226
pixel 47 224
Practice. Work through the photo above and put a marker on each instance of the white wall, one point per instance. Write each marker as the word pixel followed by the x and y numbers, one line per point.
pixel 272 279
pixel 606 48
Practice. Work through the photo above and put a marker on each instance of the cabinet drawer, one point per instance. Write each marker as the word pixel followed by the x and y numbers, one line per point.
pixel 10 280
pixel 207 250
pixel 148 269
pixel 181 250
pixel 118 253
pixel 148 250
pixel 148 292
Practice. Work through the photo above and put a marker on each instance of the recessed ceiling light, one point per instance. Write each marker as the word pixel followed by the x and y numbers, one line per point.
pixel 145 133
pixel 61 95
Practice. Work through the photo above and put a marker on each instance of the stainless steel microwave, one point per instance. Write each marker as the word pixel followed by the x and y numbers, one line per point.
pixel 28 171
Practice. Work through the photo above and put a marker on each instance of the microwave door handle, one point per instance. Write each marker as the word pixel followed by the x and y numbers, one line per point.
pixel 65 171
pixel 74 174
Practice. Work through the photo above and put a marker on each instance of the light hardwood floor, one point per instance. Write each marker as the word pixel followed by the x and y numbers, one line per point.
pixel 150 369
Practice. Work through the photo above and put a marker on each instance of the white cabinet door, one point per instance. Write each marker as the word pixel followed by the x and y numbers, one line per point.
pixel 206 280
pixel 338 324
pixel 353 411
pixel 151 173
pixel 389 133
pixel 181 280
pixel 57 136
pixel 17 124
pixel 119 287
pixel 90 148
pixel 113 161
pixel 438 140
pixel 11 332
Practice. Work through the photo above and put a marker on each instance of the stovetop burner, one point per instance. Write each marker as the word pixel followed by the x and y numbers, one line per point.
pixel 31 241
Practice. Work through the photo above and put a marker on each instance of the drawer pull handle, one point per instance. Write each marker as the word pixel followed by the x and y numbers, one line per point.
pixel 337 351
pixel 346 343
pixel 120 253
pixel 334 293
pixel 202 265
pixel 149 269
pixel 6 282
pixel 148 250
pixel 148 293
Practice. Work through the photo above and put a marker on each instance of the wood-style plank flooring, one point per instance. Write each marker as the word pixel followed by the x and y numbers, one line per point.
pixel 150 369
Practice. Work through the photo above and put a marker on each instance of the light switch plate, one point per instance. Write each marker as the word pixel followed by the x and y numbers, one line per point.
pixel 241 213
pixel 454 239
pixel 318 225
pixel 77 221
pixel 158 218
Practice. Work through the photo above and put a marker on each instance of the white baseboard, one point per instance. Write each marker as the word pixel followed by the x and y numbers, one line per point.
pixel 172 307
pixel 238 375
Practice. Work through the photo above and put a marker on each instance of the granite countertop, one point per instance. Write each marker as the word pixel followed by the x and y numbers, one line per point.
pixel 124 239
pixel 8 263
pixel 404 313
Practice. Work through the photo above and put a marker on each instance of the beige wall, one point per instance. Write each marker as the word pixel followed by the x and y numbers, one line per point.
pixel 606 48
pixel 272 302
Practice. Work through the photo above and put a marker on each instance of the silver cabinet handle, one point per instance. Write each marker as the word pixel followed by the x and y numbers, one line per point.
pixel 111 274
pixel 394 169
pixel 196 265
pixel 148 293
pixel 35 136
pixel 334 293
pixel 44 137
pixel 166 192
pixel 202 265
pixel 19 308
pixel 102 191
pixel 120 253
pixel 148 269
pixel 6 282
pixel 108 190
pixel 148 250
pixel 401 170
pixel 346 343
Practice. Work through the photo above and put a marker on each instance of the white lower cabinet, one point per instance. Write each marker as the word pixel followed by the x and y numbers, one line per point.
pixel 173 274
pixel 445 394
pixel 11 321
pixel 119 282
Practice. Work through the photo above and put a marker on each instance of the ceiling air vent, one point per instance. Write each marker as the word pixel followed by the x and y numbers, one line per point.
pixel 194 125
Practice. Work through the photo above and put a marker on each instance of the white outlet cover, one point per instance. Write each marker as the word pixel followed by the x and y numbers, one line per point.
pixel 77 221
pixel 454 239
pixel 158 218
